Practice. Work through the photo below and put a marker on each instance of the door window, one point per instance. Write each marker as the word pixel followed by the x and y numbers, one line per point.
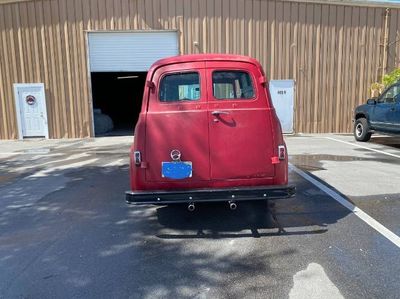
pixel 180 87
pixel 391 95
pixel 232 85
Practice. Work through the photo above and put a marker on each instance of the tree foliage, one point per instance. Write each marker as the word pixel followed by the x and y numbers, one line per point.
pixel 392 77
pixel 378 87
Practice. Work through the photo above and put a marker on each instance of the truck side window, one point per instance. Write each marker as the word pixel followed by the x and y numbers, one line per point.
pixel 391 95
pixel 180 87
pixel 232 85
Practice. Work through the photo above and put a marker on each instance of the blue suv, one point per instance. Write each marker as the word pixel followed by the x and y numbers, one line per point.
pixel 381 114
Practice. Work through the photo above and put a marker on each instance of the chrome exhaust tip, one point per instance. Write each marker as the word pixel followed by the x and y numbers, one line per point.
pixel 191 207
pixel 232 205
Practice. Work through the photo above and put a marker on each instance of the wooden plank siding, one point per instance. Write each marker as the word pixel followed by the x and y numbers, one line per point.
pixel 333 52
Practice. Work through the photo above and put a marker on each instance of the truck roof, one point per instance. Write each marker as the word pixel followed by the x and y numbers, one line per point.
pixel 203 57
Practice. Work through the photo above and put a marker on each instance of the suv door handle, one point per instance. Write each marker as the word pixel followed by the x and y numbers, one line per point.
pixel 217 112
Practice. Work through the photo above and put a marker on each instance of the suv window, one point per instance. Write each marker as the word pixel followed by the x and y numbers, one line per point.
pixel 180 87
pixel 232 85
pixel 391 95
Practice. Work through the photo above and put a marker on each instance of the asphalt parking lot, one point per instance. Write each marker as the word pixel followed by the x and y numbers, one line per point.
pixel 65 230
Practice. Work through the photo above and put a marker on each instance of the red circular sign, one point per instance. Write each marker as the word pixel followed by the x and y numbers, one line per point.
pixel 30 100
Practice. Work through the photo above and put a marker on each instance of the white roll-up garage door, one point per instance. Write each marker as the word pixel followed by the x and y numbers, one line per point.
pixel 130 51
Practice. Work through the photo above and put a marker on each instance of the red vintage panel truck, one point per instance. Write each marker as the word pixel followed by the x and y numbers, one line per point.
pixel 207 131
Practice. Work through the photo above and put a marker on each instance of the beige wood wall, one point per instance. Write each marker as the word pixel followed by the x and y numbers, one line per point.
pixel 333 52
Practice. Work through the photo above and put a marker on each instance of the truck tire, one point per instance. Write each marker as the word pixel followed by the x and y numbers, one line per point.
pixel 361 130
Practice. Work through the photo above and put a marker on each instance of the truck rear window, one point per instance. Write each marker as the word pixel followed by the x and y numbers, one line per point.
pixel 232 85
pixel 180 87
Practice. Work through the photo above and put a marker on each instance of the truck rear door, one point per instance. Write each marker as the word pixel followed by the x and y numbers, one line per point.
pixel 241 141
pixel 177 120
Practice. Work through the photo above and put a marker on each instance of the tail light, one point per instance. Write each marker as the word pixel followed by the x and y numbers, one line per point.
pixel 137 157
pixel 281 152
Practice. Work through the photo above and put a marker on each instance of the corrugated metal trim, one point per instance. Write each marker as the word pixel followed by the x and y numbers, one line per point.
pixel 363 3
pixel 359 3
pixel 130 31
pixel 13 1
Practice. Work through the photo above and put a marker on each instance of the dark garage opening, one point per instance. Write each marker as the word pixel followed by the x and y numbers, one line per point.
pixel 117 96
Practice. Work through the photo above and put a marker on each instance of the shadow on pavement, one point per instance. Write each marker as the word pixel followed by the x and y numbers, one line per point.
pixel 81 240
pixel 218 221
pixel 392 141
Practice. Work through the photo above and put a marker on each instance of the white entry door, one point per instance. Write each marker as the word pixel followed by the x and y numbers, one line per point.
pixel 282 93
pixel 31 110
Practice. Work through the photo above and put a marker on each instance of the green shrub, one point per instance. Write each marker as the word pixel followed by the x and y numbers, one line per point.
pixel 377 88
pixel 392 77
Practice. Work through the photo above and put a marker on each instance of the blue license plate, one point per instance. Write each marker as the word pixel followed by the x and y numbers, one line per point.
pixel 176 170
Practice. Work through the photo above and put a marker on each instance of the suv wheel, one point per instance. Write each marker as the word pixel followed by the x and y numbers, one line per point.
pixel 361 130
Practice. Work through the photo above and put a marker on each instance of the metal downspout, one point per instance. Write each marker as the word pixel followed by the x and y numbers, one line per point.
pixel 385 43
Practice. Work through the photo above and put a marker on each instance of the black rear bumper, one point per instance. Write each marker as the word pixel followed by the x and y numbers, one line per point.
pixel 210 195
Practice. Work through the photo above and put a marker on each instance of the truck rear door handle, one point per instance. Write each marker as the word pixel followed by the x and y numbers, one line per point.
pixel 217 112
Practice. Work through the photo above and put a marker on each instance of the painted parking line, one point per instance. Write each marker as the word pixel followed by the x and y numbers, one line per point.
pixel 364 147
pixel 395 239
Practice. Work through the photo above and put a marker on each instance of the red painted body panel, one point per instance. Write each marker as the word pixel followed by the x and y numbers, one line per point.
pixel 236 148
pixel 177 125
pixel 240 141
